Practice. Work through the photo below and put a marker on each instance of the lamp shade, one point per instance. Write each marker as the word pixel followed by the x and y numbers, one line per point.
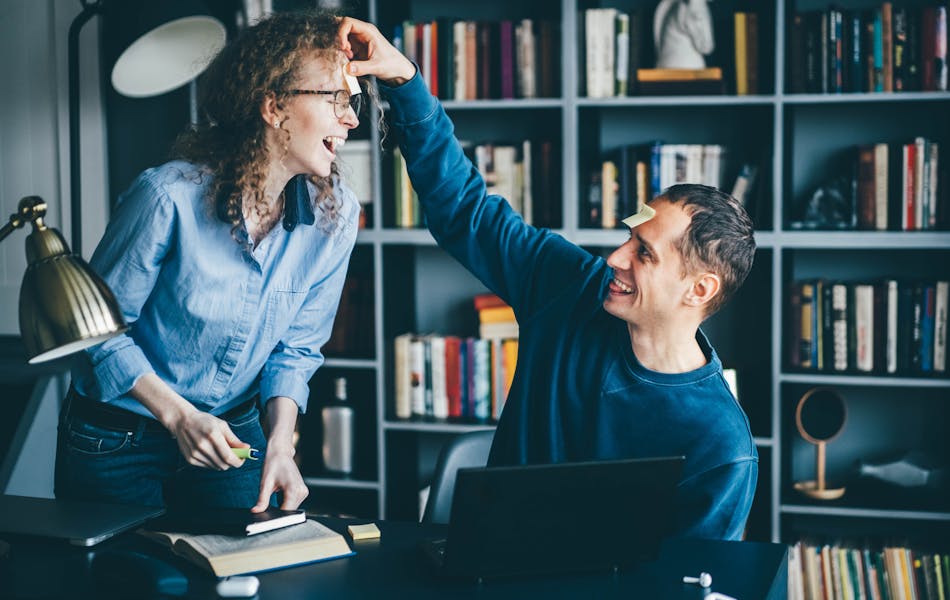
pixel 64 306
pixel 170 43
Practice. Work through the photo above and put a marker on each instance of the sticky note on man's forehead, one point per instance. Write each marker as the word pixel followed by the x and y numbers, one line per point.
pixel 640 217
pixel 352 84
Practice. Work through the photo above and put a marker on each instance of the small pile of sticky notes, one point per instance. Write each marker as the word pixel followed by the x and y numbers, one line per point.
pixel 363 532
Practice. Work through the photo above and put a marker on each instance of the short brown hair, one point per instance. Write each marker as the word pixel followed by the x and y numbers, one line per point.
pixel 720 237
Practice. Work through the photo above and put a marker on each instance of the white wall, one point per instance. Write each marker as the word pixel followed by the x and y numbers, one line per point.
pixel 34 131
pixel 34 160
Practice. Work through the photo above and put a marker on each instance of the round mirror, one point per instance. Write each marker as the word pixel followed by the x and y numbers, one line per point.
pixel 820 417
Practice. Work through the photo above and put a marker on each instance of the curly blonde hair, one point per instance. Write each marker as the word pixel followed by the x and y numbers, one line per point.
pixel 230 142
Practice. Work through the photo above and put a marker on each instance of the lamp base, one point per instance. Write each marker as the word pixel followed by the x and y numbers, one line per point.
pixel 810 489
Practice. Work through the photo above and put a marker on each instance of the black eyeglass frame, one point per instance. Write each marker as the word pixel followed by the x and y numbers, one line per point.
pixel 342 99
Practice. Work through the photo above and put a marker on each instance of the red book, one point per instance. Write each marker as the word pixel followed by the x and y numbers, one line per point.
pixel 453 375
pixel 909 170
pixel 489 300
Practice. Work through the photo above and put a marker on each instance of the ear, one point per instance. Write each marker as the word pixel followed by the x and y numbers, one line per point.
pixel 269 111
pixel 704 288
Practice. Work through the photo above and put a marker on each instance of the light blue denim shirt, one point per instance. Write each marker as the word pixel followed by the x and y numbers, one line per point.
pixel 216 321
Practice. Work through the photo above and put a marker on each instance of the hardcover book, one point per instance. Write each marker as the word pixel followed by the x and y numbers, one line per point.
pixel 226 555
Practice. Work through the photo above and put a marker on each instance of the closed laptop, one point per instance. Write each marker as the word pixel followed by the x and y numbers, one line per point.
pixel 78 522
pixel 558 517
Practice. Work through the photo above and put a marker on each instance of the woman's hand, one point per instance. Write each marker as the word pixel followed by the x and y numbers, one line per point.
pixel 203 439
pixel 280 473
pixel 370 53
pixel 206 441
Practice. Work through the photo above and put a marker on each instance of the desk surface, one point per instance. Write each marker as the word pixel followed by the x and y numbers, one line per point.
pixel 393 567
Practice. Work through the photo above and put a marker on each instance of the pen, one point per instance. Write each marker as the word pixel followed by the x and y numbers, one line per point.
pixel 246 453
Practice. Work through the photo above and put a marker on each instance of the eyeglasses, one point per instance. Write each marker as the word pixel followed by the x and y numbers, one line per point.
pixel 342 100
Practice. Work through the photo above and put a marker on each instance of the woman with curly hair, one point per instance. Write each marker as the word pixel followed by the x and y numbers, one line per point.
pixel 228 264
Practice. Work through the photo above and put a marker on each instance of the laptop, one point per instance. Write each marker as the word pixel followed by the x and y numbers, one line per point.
pixel 78 522
pixel 536 519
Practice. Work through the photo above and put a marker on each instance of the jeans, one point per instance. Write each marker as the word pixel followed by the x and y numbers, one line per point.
pixel 142 465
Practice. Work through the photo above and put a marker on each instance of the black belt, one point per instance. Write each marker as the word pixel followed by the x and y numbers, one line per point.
pixel 113 417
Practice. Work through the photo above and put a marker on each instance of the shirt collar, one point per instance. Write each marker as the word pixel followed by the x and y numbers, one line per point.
pixel 297 208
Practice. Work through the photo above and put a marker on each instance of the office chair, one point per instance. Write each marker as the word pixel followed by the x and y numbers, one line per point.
pixel 466 450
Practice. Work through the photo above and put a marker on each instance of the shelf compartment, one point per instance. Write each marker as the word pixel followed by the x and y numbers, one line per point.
pixel 879 427
pixel 860 529
pixel 820 142
pixel 361 394
pixel 354 329
pixel 745 132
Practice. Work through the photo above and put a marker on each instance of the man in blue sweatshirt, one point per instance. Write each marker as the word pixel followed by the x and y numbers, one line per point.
pixel 612 363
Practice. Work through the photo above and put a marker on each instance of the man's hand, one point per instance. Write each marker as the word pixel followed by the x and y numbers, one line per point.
pixel 370 53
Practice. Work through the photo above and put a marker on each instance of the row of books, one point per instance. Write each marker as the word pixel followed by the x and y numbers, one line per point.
pixel 445 377
pixel 519 172
pixel 631 175
pixel 890 326
pixel 889 48
pixel 901 186
pixel 839 572
pixel 475 60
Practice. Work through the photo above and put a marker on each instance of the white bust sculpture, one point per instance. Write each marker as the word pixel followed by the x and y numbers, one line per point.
pixel 682 31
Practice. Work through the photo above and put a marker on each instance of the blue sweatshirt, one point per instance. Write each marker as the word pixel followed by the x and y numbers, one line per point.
pixel 579 393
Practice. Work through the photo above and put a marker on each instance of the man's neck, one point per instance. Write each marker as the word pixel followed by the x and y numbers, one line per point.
pixel 666 349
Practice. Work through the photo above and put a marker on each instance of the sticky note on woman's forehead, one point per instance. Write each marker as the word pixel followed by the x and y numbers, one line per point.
pixel 352 84
pixel 640 217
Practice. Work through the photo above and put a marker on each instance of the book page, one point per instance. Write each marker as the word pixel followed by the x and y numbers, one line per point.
pixel 217 545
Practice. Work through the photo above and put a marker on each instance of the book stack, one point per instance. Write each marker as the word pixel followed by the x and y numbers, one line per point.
pixel 630 176
pixel 478 60
pixel 519 172
pixel 889 48
pixel 890 326
pixel 452 377
pixel 839 571
pixel 892 187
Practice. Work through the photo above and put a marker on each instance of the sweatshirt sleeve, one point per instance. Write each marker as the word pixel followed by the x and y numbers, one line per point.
pixel 522 264
pixel 715 504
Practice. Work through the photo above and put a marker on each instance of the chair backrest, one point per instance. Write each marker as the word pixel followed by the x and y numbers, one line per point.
pixel 466 450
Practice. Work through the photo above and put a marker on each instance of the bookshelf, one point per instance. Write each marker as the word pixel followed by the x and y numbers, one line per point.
pixel 797 139
pixel 408 285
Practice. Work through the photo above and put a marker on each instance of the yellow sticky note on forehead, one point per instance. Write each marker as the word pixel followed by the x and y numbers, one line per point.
pixel 352 84
pixel 640 217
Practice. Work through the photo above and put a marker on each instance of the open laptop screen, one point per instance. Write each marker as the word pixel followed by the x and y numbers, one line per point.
pixel 558 517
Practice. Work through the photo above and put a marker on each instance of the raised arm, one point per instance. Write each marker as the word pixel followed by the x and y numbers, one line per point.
pixel 524 265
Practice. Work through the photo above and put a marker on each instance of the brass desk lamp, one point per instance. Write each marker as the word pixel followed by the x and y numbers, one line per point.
pixel 64 306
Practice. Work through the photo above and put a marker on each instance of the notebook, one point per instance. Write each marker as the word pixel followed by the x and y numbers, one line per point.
pixel 80 523
pixel 535 519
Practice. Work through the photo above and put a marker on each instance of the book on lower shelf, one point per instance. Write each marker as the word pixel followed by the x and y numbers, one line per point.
pixel 226 555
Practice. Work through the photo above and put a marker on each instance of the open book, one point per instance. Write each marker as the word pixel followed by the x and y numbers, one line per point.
pixel 226 555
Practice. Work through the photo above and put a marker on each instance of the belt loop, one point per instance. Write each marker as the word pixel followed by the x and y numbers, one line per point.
pixel 140 426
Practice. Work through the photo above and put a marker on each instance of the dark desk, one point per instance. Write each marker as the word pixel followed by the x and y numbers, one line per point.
pixel 393 567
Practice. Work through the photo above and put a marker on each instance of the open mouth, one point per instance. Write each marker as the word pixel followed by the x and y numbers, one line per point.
pixel 618 286
pixel 333 143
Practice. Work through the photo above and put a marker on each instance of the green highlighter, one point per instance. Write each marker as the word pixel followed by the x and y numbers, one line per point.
pixel 246 453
